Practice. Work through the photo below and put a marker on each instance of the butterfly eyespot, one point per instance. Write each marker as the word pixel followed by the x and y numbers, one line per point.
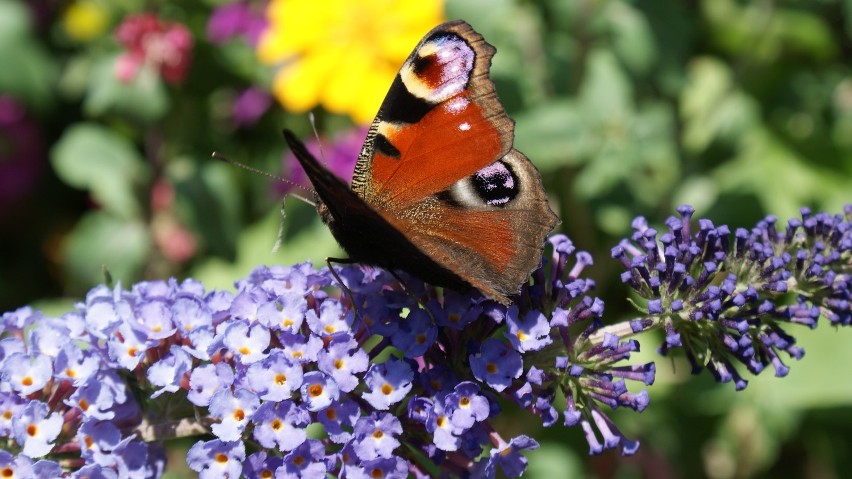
pixel 496 184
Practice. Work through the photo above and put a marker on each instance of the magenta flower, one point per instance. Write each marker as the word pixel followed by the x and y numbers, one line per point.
pixel 237 19
pixel 150 41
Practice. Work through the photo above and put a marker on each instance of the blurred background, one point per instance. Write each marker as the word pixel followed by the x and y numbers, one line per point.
pixel 109 113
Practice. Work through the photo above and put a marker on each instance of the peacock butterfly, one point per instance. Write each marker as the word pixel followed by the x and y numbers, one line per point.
pixel 438 190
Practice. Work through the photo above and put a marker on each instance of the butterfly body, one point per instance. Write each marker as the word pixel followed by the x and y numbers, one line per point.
pixel 438 190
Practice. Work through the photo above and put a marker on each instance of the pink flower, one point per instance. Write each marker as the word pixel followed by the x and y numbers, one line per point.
pixel 238 19
pixel 150 41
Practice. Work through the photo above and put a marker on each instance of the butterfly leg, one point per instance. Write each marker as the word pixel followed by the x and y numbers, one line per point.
pixel 343 286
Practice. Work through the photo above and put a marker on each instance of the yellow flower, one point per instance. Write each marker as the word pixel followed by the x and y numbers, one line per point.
pixel 342 54
pixel 85 20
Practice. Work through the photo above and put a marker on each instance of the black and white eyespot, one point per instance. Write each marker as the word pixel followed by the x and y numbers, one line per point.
pixel 496 185
pixel 440 68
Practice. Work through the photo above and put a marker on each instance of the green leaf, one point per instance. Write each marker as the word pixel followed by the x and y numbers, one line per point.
pixel 781 179
pixel 92 157
pixel 606 94
pixel 101 240
pixel 144 98
pixel 28 73
pixel 554 134
pixel 632 39
pixel 712 106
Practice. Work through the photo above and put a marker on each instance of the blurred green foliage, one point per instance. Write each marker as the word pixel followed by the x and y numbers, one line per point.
pixel 739 108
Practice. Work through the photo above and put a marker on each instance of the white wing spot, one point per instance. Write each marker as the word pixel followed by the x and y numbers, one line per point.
pixel 464 126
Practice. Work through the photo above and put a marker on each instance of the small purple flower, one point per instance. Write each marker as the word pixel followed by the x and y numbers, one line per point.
pixel 300 348
pixel 16 467
pixel 466 405
pixel 261 465
pixel 206 380
pixel 76 365
pixel 342 359
pixel 331 319
pixel 389 383
pixel 508 457
pixel 247 342
pixel 281 424
pixel 284 314
pixel 530 333
pixel 216 459
pixel 374 436
pixel 26 374
pixel 496 364
pixel 276 377
pixel 415 335
pixel 169 372
pixel 36 429
pixel 385 468
pixel 305 462
pixel 234 411
pixel 337 416
pixel 318 391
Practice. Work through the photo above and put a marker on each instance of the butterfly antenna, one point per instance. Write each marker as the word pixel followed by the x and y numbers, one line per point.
pixel 267 174
pixel 313 121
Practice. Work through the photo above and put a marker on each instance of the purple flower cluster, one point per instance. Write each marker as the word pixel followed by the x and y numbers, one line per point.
pixel 724 297
pixel 293 380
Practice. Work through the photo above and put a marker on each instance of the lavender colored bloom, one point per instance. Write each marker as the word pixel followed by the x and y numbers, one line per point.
pixel 305 462
pixel 169 372
pixel 154 319
pixel 206 380
pixel 216 459
pixel 738 283
pixel 76 365
pixel 337 416
pixel 318 391
pixel 299 348
pixel 332 319
pixel 248 342
pixel 286 313
pixel 415 335
pixel 276 377
pixel 234 411
pixel 261 465
pixel 281 424
pixel 375 436
pixel 385 468
pixel 36 429
pixel 530 333
pixel 389 383
pixel 508 457
pixel 466 405
pixel 15 467
pixel 26 374
pixel 496 364
pixel 342 359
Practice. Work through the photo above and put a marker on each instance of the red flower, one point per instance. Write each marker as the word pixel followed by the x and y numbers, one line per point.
pixel 164 46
